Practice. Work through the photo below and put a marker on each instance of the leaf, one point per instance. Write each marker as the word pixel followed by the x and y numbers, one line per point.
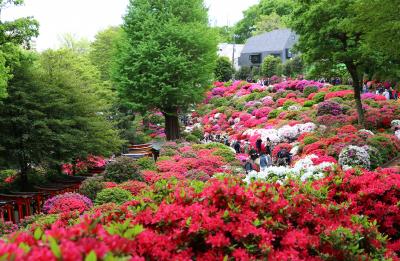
pixel 25 247
pixel 54 247
pixel 38 233
pixel 91 256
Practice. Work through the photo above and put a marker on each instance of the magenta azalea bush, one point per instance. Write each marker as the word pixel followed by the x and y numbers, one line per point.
pixel 67 202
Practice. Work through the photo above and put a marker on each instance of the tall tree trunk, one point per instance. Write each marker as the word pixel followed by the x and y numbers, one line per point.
pixel 352 68
pixel 172 129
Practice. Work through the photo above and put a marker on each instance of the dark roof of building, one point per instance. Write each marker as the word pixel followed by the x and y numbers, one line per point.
pixel 273 41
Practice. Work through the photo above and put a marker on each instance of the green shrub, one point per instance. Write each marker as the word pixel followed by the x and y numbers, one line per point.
pixel 340 88
pixel 192 138
pixel 146 163
pixel 113 195
pixel 310 89
pixel 219 102
pixel 385 146
pixel 337 99
pixel 319 97
pixel 309 140
pixel 227 154
pixel 287 104
pixel 198 133
pixel 308 103
pixel 275 113
pixel 91 186
pixel 122 169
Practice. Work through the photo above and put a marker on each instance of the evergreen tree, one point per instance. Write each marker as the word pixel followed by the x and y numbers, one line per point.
pixel 224 70
pixel 168 58
pixel 271 66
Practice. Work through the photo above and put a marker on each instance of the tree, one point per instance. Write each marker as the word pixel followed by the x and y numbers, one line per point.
pixel 262 16
pixel 74 43
pixel 243 73
pixel 224 70
pixel 168 67
pixel 293 67
pixel 225 34
pixel 104 49
pixel 268 23
pixel 328 35
pixel 13 34
pixel 53 114
pixel 271 66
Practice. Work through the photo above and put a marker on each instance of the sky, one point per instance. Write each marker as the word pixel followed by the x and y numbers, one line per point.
pixel 84 18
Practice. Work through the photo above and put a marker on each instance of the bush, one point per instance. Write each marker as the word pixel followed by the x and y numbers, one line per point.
pixel 310 89
pixel 113 195
pixel 7 227
pixel 353 156
pixel 319 97
pixel 192 138
pixel 287 104
pixel 340 88
pixel 133 186
pixel 198 133
pixel 310 140
pixel 146 163
pixel 329 108
pixel 122 169
pixel 309 103
pixel 67 202
pixel 223 70
pixel 275 113
pixel 91 186
pixel 227 154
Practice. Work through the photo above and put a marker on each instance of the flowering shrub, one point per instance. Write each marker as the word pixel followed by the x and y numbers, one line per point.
pixel 354 156
pixel 91 186
pixel 122 169
pixel 113 195
pixel 7 227
pixel 329 107
pixel 67 202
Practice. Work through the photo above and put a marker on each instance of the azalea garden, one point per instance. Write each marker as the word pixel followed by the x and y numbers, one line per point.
pixel 104 153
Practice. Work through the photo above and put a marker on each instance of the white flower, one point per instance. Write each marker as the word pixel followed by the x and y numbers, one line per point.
pixel 395 123
pixel 294 108
pixel 354 156
pixel 366 131
pixel 397 133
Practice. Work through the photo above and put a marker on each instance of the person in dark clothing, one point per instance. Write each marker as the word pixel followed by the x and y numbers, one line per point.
pixel 253 154
pixel 156 154
pixel 248 166
pixel 237 146
pixel 268 146
pixel 258 145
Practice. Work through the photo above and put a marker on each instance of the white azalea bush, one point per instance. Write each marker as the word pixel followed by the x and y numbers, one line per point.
pixel 395 123
pixel 303 170
pixel 352 156
pixel 397 133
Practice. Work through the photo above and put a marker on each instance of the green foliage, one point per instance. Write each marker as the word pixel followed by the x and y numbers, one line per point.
pixel 13 35
pixel 243 73
pixel 268 23
pixel 310 89
pixel 271 66
pixel 310 140
pixel 113 195
pixel 262 16
pixel 319 97
pixel 56 111
pixel 170 66
pixel 125 230
pixel 274 114
pixel 308 103
pixel 192 138
pixel 122 169
pixel 288 103
pixel 226 153
pixel 103 51
pixel 146 163
pixel 385 146
pixel 340 88
pixel 223 71
pixel 197 132
pixel 294 67
pixel 91 186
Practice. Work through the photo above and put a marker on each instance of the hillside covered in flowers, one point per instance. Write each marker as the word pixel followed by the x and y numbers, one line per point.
pixel 334 201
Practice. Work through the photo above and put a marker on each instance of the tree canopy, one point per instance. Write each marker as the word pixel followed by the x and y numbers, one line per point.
pixel 169 66
pixel 13 34
pixel 224 69
pixel 54 113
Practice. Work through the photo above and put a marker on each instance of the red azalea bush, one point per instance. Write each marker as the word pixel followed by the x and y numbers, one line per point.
pixel 227 219
pixel 67 202
pixel 279 147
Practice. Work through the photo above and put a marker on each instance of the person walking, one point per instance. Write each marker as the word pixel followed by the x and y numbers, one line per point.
pixel 236 146
pixel 248 166
pixel 268 146
pixel 259 145
pixel 263 162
